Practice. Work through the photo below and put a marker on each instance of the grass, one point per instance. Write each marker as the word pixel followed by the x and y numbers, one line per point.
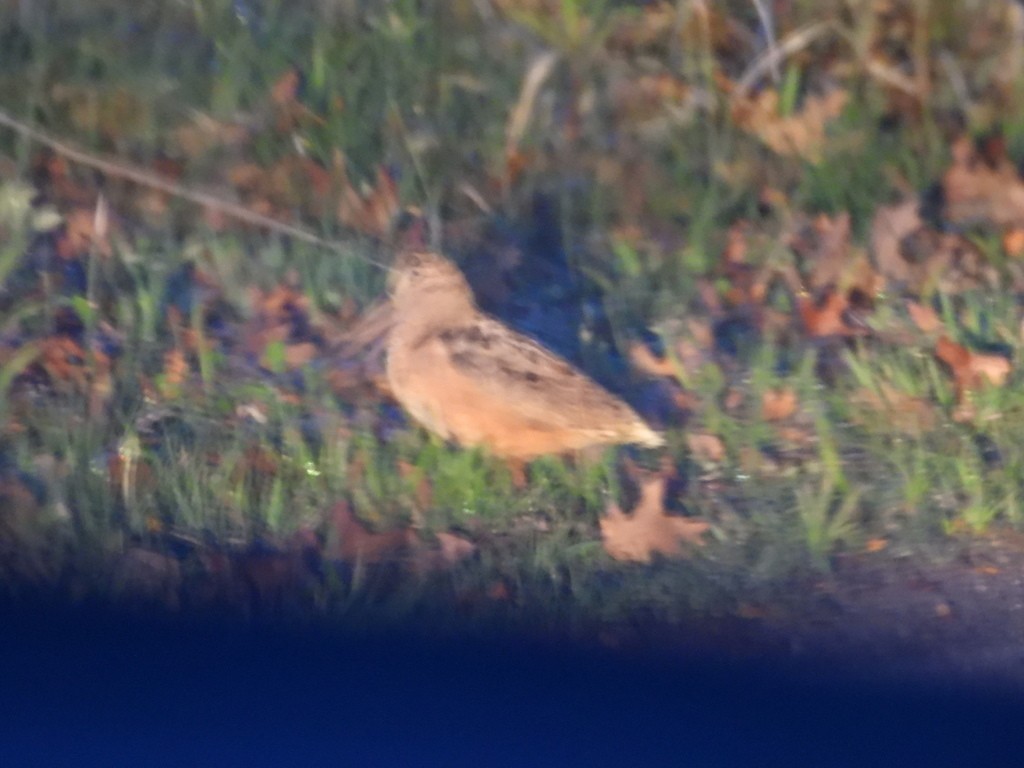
pixel 429 93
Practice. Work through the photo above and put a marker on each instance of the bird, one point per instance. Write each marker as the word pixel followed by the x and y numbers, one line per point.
pixel 469 378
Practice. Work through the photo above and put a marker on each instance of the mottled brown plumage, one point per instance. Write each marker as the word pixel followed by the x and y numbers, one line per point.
pixel 467 377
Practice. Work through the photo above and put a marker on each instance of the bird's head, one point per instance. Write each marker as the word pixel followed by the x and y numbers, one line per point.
pixel 425 276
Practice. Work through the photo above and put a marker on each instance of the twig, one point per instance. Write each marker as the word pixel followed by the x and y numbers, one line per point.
pixel 771 58
pixel 119 169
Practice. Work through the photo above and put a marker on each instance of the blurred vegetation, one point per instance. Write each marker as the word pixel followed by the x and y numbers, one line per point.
pixel 712 172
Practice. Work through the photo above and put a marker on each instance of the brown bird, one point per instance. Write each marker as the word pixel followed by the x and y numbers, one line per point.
pixel 467 377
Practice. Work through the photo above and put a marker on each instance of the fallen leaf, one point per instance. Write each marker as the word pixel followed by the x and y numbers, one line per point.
pixel 648 530
pixel 285 90
pixel 828 258
pixel 895 409
pixel 175 373
pixel 301 354
pixel 454 549
pixel 705 448
pixel 369 210
pixel 353 541
pixel 778 404
pixel 643 359
pixel 924 317
pixel 801 134
pixel 449 552
pixel 1013 242
pixel 889 227
pixel 423 490
pixel 971 369
pixel 978 188
pixel 826 316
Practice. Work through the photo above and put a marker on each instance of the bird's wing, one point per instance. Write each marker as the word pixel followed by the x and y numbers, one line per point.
pixel 537 383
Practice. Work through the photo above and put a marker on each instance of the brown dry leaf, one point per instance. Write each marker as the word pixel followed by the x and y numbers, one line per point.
pixel 648 530
pixel 972 369
pixel 300 355
pixel 63 360
pixel 353 541
pixel 643 99
pixel 80 235
pixel 423 491
pixel 890 226
pixel 697 346
pixel 982 187
pixel 733 399
pixel 454 549
pixel 370 209
pixel 829 259
pixel 778 404
pixel 204 134
pixel 1013 242
pixel 449 552
pixel 176 370
pixel 653 25
pixel 909 252
pixel 905 413
pixel 801 134
pixel 925 318
pixel 826 316
pixel 643 359
pixel 281 330
pixel 705 448
pixel 288 111
pixel 285 90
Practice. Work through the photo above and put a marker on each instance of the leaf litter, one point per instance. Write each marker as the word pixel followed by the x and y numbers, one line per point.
pixel 790 277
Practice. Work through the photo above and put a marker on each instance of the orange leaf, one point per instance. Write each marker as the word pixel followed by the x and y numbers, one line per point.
pixel 1013 242
pixel 924 317
pixel 978 188
pixel 971 369
pixel 825 317
pixel 284 92
pixel 648 530
pixel 369 210
pixel 706 449
pixel 895 409
pixel 356 542
pixel 778 404
pixel 645 360
pixel 176 370
pixel 300 355
pixel 801 134
pixel 449 552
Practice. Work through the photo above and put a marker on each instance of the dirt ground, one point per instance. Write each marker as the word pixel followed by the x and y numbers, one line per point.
pixel 954 617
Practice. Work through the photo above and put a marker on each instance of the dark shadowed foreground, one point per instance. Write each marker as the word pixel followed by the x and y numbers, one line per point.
pixel 90 687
